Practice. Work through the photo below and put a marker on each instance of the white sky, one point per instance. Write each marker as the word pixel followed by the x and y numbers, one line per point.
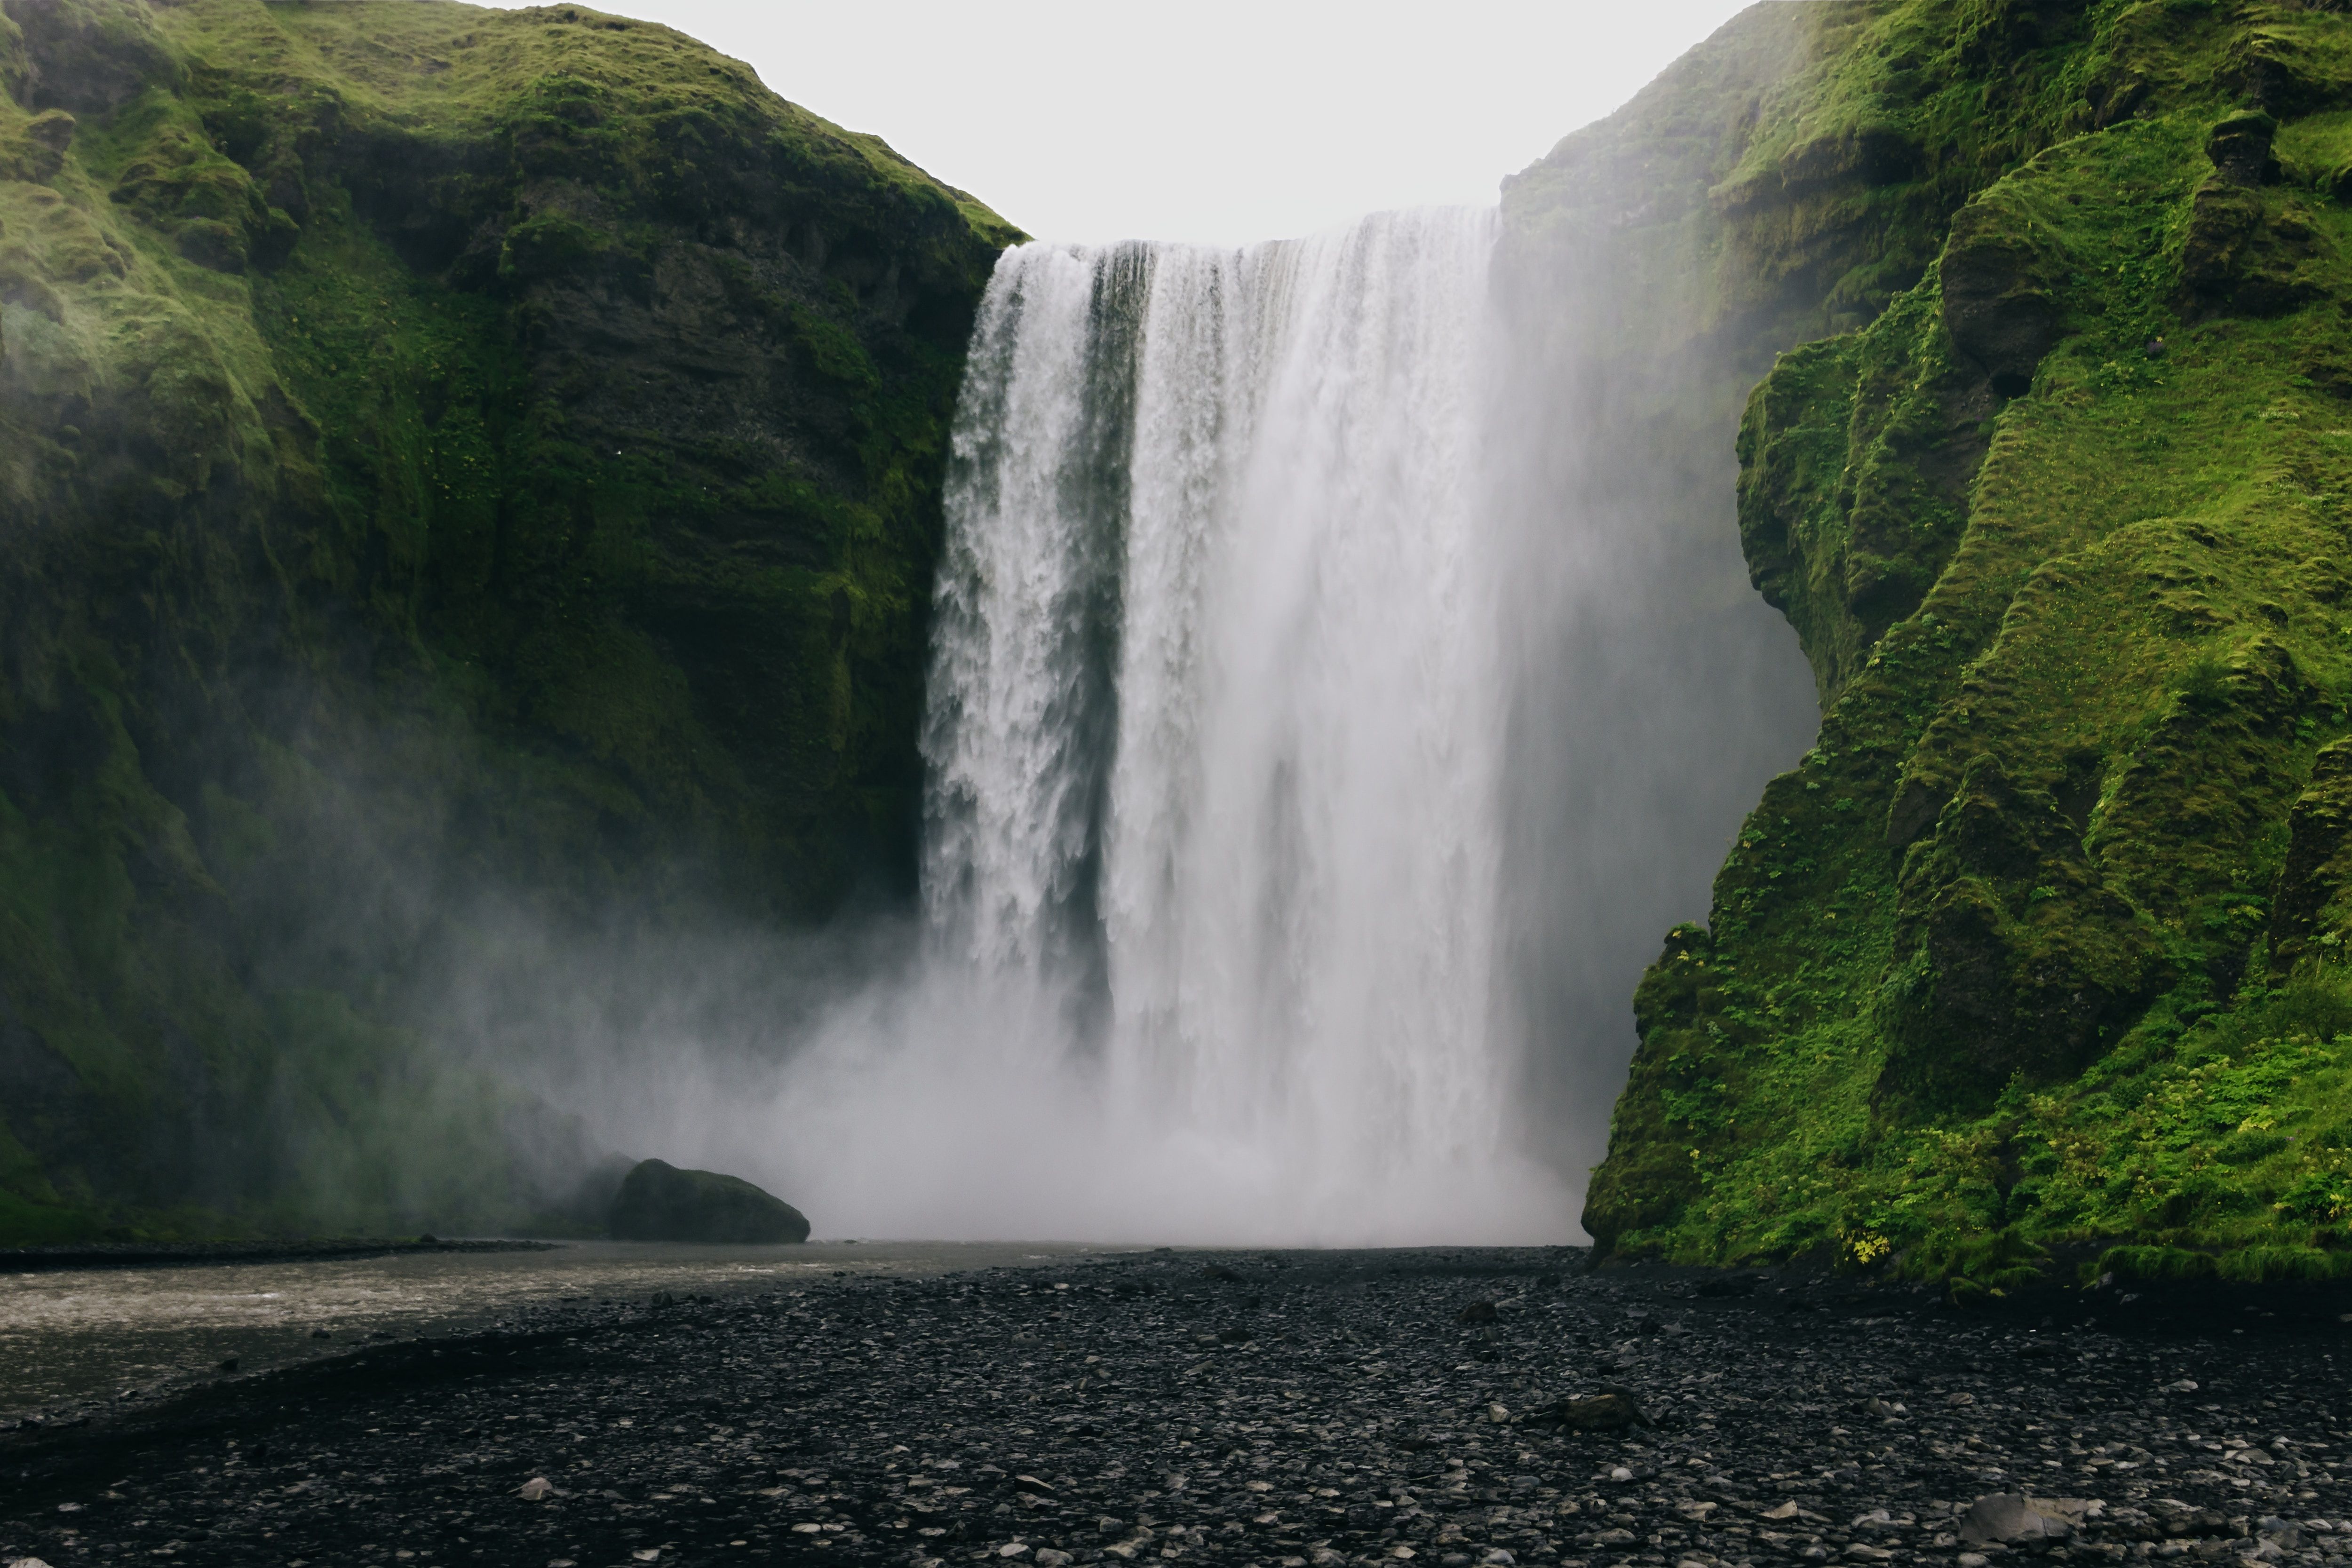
pixel 1222 121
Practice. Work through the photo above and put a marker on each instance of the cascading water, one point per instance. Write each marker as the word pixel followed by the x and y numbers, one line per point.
pixel 1216 724
pixel 1343 670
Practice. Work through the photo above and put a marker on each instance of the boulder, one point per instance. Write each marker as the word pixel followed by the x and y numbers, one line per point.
pixel 1599 1413
pixel 659 1202
pixel 2007 1517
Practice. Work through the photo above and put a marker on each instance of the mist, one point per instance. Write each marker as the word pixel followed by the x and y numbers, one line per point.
pixel 1344 673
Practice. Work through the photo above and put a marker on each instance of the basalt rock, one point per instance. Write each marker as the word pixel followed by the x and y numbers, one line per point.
pixel 659 1202
pixel 1598 1413
pixel 2001 293
pixel 2309 918
pixel 2240 148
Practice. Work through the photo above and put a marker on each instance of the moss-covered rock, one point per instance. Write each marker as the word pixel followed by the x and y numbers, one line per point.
pixel 2038 945
pixel 447 456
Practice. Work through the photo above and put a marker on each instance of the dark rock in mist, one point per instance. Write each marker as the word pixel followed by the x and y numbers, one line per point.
pixel 659 1202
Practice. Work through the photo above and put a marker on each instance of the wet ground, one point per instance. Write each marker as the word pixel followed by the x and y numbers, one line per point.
pixel 1292 1409
pixel 134 1329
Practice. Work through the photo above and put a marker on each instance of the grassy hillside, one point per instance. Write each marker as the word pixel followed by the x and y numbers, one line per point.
pixel 446 455
pixel 2040 952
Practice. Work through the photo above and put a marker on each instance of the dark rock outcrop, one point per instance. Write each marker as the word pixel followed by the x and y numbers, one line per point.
pixel 2001 302
pixel 2308 917
pixel 2240 148
pixel 659 1202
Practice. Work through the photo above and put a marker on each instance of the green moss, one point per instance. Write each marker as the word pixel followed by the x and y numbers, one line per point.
pixel 2027 951
pixel 502 443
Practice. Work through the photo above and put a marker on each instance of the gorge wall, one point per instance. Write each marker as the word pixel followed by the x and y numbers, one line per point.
pixel 2037 953
pixel 475 475
pixel 460 472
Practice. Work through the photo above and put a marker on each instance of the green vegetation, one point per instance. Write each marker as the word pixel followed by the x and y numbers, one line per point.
pixel 2038 953
pixel 444 455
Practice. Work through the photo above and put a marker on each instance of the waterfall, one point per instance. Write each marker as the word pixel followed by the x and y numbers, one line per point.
pixel 1216 723
pixel 1343 670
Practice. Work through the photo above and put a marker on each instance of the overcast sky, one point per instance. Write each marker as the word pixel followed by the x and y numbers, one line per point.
pixel 1223 120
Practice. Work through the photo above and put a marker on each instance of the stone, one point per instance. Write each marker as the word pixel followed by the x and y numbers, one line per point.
pixel 1784 1510
pixel 2240 147
pixel 1499 1415
pixel 659 1202
pixel 539 1488
pixel 2005 1517
pixel 1599 1413
pixel 1999 299
pixel 2071 1512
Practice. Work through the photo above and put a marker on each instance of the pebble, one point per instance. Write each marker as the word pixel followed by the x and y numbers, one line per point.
pixel 1102 1413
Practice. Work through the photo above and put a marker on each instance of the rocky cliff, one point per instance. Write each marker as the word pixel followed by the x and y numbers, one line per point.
pixel 2038 953
pixel 448 458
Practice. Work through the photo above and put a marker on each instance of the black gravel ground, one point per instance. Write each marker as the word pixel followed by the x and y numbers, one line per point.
pixel 1296 1408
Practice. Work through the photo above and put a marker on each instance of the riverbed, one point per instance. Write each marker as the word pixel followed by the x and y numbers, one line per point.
pixel 70 1336
pixel 1302 1410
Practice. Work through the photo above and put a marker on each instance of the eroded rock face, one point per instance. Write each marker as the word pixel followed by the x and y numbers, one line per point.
pixel 659 1202
pixel 2026 959
pixel 89 56
pixel 2240 148
pixel 2307 912
pixel 2001 302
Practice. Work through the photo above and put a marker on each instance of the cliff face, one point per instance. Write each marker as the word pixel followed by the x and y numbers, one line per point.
pixel 2040 946
pixel 444 455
